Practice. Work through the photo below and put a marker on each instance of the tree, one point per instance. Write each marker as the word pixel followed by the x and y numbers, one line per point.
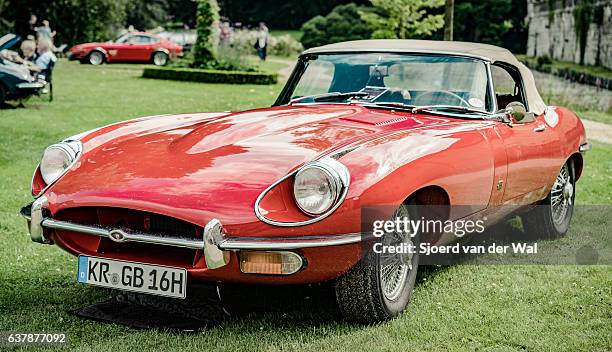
pixel 448 19
pixel 285 14
pixel 5 24
pixel 146 14
pixel 403 18
pixel 341 24
pixel 78 21
pixel 207 28
pixel 486 21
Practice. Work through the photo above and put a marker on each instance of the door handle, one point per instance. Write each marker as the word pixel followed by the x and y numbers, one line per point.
pixel 540 128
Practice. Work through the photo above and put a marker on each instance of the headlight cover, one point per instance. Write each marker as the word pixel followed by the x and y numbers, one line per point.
pixel 318 186
pixel 57 158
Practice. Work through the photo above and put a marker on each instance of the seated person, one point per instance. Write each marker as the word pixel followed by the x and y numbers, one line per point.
pixel 28 50
pixel 45 57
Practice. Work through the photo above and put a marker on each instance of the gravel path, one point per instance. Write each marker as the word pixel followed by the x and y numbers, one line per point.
pixel 597 131
pixel 285 71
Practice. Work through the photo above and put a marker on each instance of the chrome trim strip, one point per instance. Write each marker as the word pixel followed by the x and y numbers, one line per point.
pixel 30 85
pixel 491 88
pixel 212 244
pixel 288 243
pixel 120 235
pixel 585 147
pixel 314 51
pixel 344 178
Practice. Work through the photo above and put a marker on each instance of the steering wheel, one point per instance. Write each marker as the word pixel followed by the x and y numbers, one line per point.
pixel 444 92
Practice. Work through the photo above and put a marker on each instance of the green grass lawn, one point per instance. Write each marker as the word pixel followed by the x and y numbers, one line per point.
pixel 599 71
pixel 463 307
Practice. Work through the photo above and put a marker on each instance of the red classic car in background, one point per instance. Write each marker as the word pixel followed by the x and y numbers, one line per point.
pixel 275 195
pixel 130 47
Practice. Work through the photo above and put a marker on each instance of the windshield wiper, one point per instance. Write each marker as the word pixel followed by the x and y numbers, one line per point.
pixel 449 108
pixel 334 96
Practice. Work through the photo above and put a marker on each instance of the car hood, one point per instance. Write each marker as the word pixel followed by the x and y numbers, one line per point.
pixel 19 71
pixel 200 166
pixel 85 46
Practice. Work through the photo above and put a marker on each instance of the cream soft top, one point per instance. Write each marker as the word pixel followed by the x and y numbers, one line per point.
pixel 485 52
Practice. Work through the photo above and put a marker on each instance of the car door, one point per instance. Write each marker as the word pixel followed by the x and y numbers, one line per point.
pixel 137 48
pixel 530 144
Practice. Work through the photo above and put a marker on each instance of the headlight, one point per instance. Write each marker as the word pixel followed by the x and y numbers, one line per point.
pixel 318 186
pixel 57 158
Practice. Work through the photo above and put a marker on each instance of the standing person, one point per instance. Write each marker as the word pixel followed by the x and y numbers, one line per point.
pixel 45 31
pixel 31 27
pixel 262 41
pixel 225 34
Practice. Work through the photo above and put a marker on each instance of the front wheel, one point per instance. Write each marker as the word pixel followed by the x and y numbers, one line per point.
pixel 380 286
pixel 95 58
pixel 160 58
pixel 552 217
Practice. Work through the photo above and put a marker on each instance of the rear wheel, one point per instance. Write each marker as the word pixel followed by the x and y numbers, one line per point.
pixel 95 58
pixel 380 286
pixel 552 217
pixel 160 58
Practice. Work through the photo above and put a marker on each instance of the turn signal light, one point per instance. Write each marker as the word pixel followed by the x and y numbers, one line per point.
pixel 270 263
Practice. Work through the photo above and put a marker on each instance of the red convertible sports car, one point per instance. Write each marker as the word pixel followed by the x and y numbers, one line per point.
pixel 130 47
pixel 276 195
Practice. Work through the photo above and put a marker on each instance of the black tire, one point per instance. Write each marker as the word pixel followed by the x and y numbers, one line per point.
pixel 95 58
pixel 359 292
pixel 2 94
pixel 159 58
pixel 543 221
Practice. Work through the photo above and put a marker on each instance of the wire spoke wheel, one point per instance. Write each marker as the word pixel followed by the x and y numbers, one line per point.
pixel 395 268
pixel 561 195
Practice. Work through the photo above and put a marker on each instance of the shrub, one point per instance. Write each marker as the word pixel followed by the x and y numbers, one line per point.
pixel 207 28
pixel 543 60
pixel 342 24
pixel 284 45
pixel 210 76
pixel 243 41
pixel 230 59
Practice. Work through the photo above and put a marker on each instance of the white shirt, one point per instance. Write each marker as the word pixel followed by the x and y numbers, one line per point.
pixel 43 60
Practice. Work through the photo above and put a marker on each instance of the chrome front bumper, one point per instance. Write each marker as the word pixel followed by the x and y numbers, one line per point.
pixel 30 85
pixel 585 147
pixel 213 242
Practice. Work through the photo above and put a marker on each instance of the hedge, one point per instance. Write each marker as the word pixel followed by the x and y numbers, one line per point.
pixel 594 76
pixel 210 76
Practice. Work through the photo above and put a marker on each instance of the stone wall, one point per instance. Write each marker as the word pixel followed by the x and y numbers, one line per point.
pixel 552 32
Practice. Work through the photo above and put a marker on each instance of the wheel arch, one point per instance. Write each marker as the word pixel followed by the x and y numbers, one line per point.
pixel 101 51
pixel 429 195
pixel 159 50
pixel 578 161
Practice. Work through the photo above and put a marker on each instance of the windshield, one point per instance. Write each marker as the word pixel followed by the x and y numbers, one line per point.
pixel 123 39
pixel 415 80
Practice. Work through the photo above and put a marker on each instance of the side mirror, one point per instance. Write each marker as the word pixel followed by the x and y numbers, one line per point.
pixel 516 110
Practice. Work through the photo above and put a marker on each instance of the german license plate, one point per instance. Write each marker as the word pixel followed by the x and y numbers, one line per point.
pixel 136 277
